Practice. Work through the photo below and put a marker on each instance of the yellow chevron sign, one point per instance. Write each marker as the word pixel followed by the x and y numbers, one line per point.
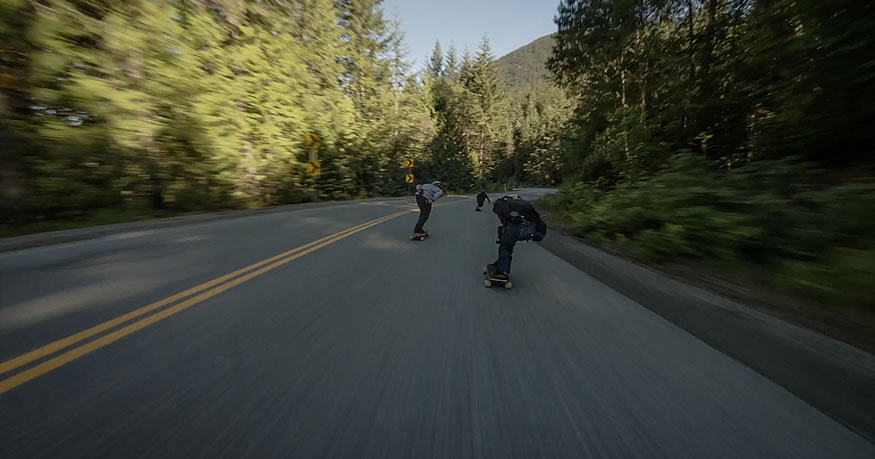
pixel 312 140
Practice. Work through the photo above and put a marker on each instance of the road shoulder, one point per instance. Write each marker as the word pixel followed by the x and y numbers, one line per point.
pixel 832 376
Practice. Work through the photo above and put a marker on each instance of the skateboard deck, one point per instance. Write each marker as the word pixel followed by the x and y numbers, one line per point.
pixel 491 281
pixel 419 238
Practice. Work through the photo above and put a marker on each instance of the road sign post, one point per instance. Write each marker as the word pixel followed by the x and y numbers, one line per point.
pixel 408 163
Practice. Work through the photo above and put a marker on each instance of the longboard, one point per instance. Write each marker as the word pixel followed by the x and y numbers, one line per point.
pixel 419 238
pixel 489 271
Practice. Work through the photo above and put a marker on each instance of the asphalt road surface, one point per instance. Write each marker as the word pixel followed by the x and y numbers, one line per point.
pixel 364 344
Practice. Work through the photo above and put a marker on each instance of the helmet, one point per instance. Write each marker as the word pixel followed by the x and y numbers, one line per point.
pixel 436 183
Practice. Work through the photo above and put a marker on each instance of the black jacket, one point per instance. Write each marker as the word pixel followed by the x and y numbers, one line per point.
pixel 482 197
pixel 504 206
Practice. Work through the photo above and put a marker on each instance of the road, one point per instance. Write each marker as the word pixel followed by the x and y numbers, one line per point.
pixel 364 344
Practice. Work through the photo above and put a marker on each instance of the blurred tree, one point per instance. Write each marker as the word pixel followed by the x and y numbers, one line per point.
pixel 809 68
pixel 451 64
pixel 434 65
pixel 210 112
pixel 492 131
pixel 185 104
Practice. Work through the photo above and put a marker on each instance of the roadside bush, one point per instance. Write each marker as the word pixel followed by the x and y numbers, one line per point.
pixel 777 214
pixel 842 276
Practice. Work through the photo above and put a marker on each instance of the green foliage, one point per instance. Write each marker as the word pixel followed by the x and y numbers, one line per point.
pixel 451 64
pixel 473 140
pixel 764 99
pixel 840 276
pixel 809 67
pixel 819 239
pixel 733 80
pixel 188 105
pixel 541 115
pixel 435 65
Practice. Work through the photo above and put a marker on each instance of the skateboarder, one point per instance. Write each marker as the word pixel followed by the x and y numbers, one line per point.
pixel 425 196
pixel 519 222
pixel 480 198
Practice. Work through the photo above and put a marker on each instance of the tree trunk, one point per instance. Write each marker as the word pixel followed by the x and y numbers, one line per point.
pixel 692 37
pixel 710 32
pixel 623 83
pixel 625 106
pixel 481 146
pixel 644 91
pixel 707 95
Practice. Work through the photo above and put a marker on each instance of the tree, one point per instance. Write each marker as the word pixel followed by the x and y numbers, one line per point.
pixel 451 66
pixel 492 138
pixel 541 117
pixel 369 85
pixel 733 80
pixel 453 117
pixel 798 72
pixel 466 67
pixel 434 67
pixel 211 112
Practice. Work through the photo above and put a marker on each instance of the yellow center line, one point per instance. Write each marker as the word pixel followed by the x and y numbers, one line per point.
pixel 58 345
pixel 73 354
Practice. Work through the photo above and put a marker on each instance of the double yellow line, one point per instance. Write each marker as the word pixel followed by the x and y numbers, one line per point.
pixel 209 289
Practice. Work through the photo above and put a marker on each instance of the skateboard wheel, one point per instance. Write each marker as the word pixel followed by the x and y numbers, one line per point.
pixel 487 284
pixel 508 284
pixel 485 270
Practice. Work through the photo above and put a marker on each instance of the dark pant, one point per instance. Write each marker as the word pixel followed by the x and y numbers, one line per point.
pixel 424 212
pixel 510 233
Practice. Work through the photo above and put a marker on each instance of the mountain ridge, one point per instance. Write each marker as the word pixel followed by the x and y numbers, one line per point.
pixel 525 65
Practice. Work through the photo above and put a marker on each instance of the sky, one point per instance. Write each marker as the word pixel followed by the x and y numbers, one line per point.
pixel 508 24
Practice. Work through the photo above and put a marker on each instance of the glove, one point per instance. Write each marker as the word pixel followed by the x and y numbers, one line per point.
pixel 537 237
pixel 429 201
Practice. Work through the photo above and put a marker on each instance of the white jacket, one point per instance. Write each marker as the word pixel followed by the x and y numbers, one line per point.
pixel 429 191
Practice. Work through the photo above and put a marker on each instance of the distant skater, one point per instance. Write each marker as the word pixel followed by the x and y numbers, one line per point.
pixel 425 196
pixel 480 199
